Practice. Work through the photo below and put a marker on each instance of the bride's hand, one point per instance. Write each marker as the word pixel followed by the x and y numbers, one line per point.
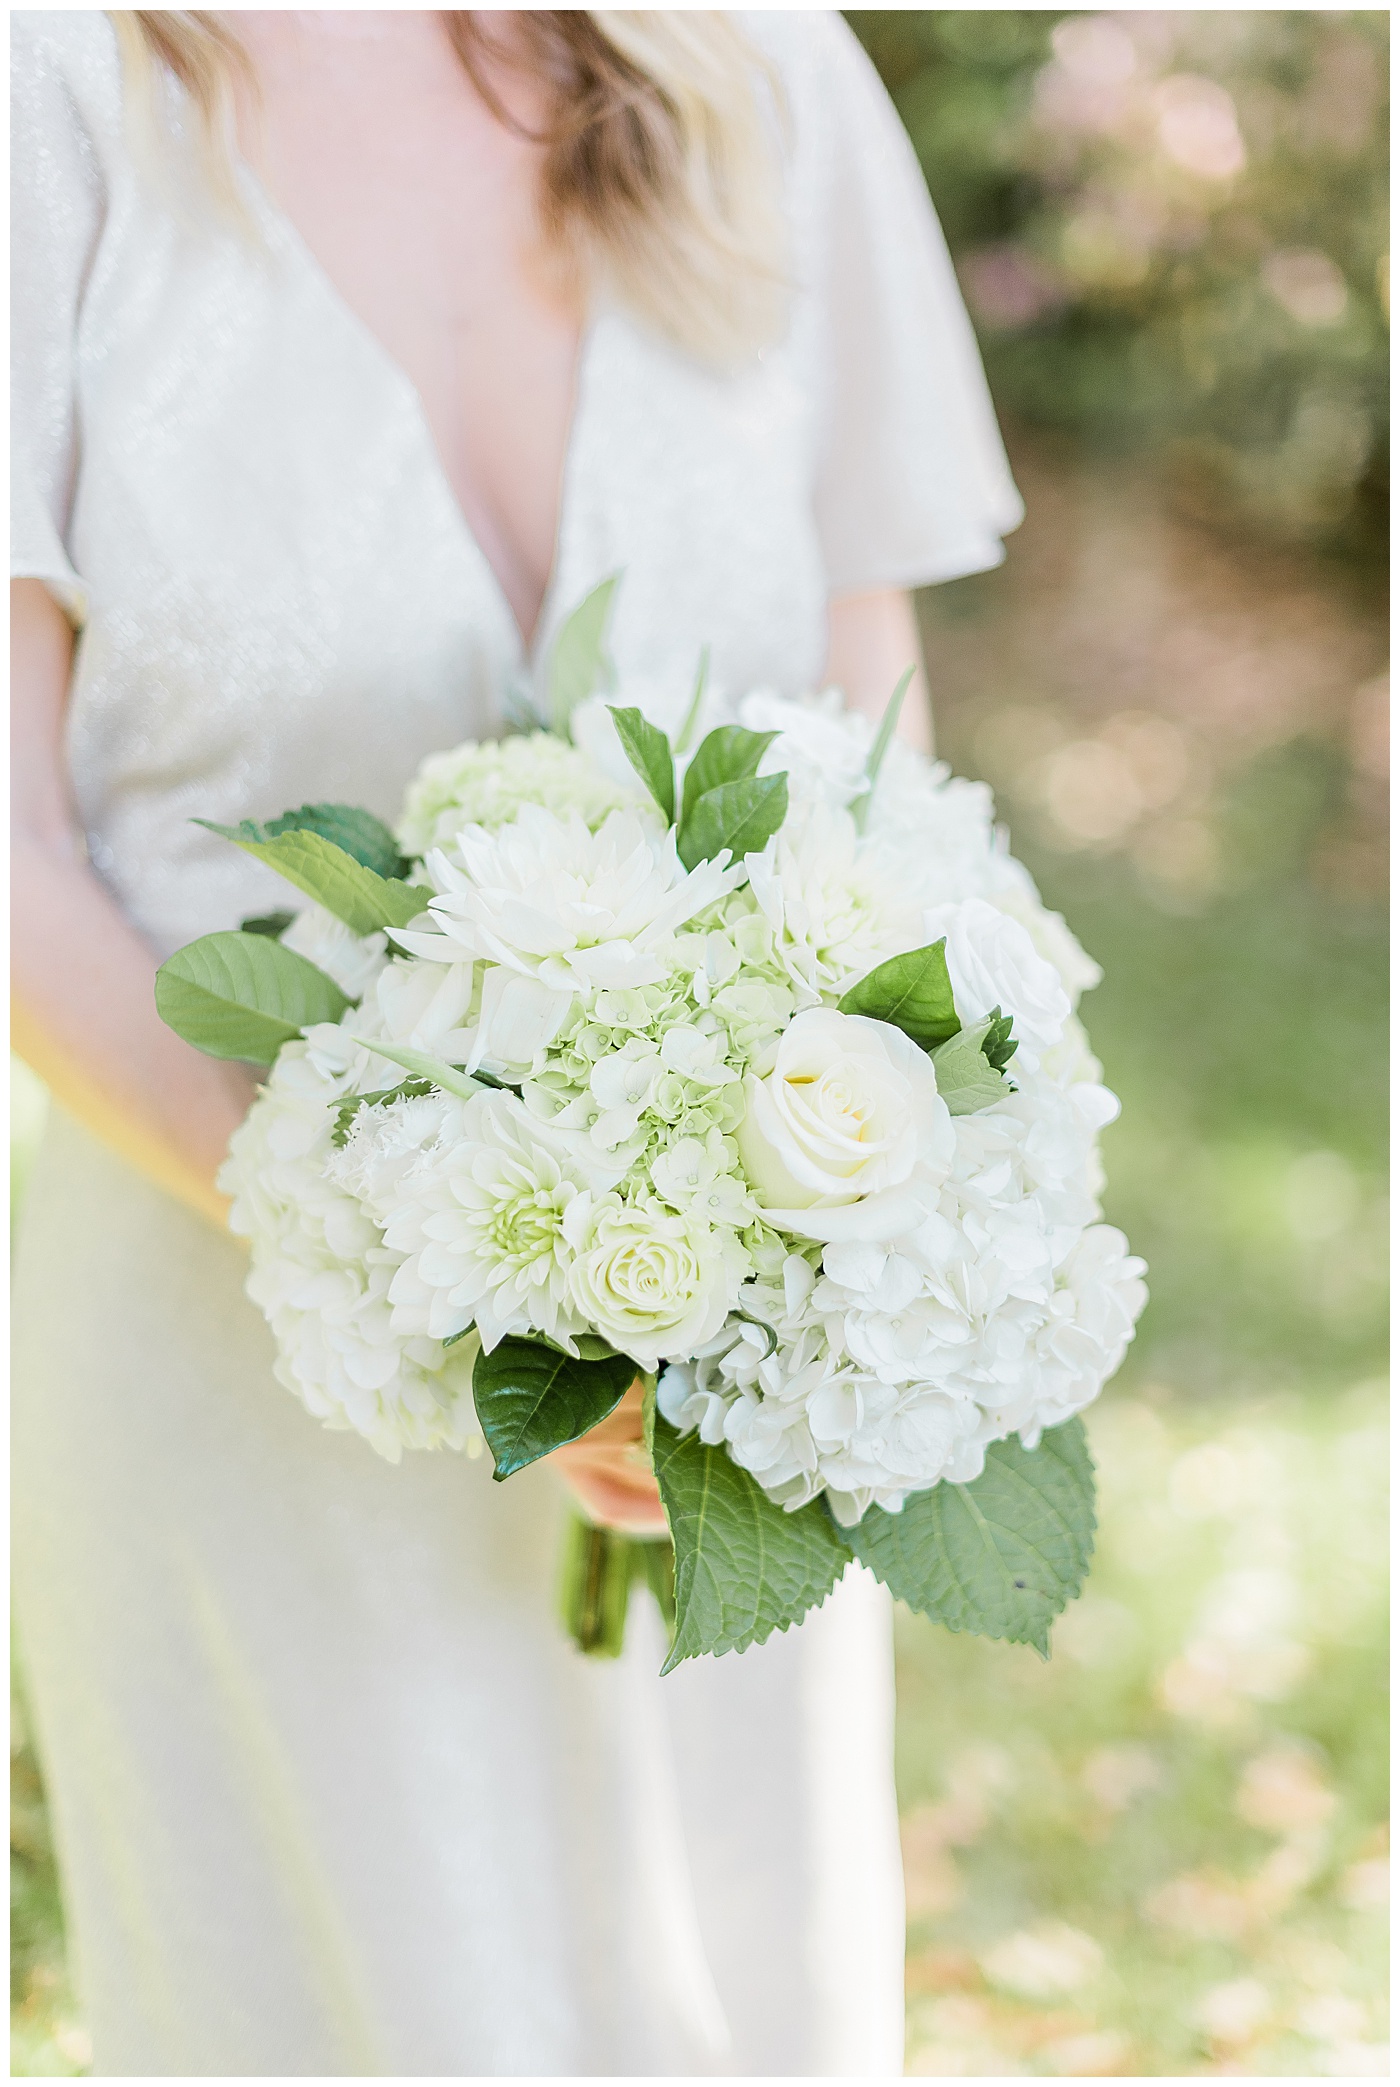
pixel 609 1473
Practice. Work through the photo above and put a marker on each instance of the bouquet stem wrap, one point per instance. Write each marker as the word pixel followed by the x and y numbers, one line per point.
pixel 597 1570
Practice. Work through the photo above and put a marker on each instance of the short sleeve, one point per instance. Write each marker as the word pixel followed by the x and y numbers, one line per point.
pixel 57 207
pixel 913 484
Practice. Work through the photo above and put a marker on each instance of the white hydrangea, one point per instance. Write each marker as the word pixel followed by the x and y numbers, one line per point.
pixel 1003 1312
pixel 321 1273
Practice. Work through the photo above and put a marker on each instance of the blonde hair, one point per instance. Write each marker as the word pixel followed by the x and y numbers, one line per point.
pixel 660 160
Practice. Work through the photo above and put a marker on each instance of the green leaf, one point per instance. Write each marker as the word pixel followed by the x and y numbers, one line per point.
pixel 649 751
pixel 350 827
pixel 742 817
pixel 450 1078
pixel 243 996
pixel 530 1399
pixel 874 760
pixel 593 1348
pixel 912 992
pixel 460 1334
pixel 365 901
pixel 998 1044
pixel 274 924
pixel 346 1111
pixel 744 1568
pixel 729 754
pixel 967 1080
pixel 692 715
pixel 1000 1557
pixel 578 664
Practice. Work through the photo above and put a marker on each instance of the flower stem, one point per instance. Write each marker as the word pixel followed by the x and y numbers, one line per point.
pixel 598 1567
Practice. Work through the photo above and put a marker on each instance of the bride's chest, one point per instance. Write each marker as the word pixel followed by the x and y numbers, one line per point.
pixel 420 213
pixel 248 435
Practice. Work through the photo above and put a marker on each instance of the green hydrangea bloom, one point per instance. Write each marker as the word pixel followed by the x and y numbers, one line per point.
pixel 655 1073
pixel 488 783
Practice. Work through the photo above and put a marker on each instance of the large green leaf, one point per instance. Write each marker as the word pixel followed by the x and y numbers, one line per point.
pixel 1000 1557
pixel 729 754
pixel 578 664
pixel 649 751
pixel 742 817
pixel 364 900
pixel 912 992
pixel 243 996
pixel 530 1399
pixel 744 1568
pixel 350 827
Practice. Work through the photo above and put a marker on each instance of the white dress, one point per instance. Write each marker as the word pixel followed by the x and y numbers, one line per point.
pixel 332 1793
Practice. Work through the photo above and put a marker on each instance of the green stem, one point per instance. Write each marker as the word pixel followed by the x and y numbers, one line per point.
pixel 598 1567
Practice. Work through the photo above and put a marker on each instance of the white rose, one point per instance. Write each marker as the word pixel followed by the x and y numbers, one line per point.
pixel 847 1137
pixel 992 962
pixel 653 1282
pixel 823 743
pixel 1053 938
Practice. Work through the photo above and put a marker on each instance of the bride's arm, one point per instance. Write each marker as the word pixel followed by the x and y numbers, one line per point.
pixel 874 637
pixel 83 1007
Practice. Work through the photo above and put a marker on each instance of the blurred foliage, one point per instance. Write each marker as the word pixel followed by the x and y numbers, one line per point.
pixel 1171 230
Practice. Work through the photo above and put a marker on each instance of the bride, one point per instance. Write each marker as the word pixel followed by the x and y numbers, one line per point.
pixel 352 351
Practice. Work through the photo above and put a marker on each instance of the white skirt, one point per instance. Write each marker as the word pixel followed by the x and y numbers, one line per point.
pixel 332 1793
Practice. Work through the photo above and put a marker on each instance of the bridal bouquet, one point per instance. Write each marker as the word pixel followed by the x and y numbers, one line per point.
pixel 731 1052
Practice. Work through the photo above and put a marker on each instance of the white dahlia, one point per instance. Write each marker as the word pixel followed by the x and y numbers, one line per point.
pixel 479 1227
pixel 577 910
pixel 834 912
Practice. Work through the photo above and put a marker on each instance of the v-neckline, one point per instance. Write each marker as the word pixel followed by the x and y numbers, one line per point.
pixel 527 649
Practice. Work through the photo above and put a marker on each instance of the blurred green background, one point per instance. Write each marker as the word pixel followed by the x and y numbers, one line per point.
pixel 1165 1851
